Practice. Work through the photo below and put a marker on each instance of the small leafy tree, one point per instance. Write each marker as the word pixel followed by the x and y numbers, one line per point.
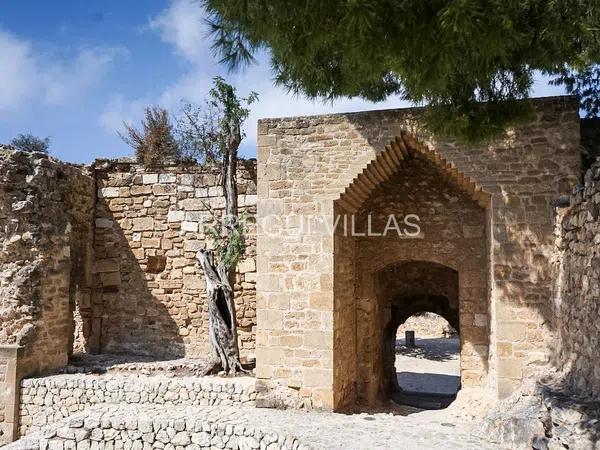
pixel 30 143
pixel 212 134
pixel 154 143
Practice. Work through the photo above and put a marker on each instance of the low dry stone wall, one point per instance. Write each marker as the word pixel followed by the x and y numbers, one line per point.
pixel 47 400
pixel 145 428
pixel 577 259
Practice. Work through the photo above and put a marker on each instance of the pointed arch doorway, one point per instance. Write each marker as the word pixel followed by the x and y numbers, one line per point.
pixel 448 255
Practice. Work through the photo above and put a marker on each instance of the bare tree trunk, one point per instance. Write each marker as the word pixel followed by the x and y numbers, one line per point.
pixel 222 323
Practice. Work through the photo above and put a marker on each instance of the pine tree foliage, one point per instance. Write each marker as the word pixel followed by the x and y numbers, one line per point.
pixel 454 55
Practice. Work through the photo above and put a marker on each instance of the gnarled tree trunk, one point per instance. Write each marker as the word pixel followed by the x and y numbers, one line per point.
pixel 222 328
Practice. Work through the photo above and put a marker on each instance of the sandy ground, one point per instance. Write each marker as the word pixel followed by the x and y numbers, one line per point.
pixel 432 366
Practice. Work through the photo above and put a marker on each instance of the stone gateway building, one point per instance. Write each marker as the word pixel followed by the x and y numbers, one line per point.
pixel 357 222
pixel 328 302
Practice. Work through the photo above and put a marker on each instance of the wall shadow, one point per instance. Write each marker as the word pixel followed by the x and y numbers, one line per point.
pixel 132 314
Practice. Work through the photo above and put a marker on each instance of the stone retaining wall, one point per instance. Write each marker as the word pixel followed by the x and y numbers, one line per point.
pixel 577 261
pixel 47 400
pixel 142 428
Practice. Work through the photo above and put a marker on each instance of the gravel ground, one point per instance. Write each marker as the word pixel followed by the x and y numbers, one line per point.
pixel 418 430
pixel 433 366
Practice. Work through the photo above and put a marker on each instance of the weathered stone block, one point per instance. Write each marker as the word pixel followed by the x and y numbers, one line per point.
pixel 150 178
pixel 175 216
pixel 143 224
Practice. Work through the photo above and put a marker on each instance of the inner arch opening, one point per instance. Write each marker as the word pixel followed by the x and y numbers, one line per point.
pixel 423 298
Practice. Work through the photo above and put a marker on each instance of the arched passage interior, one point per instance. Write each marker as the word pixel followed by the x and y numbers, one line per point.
pixel 411 288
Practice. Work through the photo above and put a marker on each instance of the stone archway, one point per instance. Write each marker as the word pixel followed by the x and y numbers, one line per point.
pixel 413 287
pixel 407 179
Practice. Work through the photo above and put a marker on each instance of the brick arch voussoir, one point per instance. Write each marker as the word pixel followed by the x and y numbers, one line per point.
pixel 388 162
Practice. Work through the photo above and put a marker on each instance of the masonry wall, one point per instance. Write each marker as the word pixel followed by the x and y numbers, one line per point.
pixel 46 206
pixel 577 293
pixel 148 288
pixel 305 163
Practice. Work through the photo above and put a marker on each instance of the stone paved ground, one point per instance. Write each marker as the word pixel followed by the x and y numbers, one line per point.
pixel 416 429
pixel 419 430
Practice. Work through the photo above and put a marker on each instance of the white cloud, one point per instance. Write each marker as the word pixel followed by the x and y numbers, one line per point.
pixel 65 81
pixel 29 78
pixel 18 72
pixel 183 26
pixel 119 110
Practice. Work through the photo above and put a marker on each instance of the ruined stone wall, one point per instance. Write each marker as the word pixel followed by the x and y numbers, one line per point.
pixel 577 265
pixel 427 326
pixel 305 163
pixel 148 288
pixel 46 207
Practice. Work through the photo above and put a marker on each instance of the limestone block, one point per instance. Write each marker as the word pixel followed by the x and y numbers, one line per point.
pixel 175 216
pixel 511 331
pixel 108 192
pixel 151 242
pixel 246 265
pixel 215 191
pixel 167 178
pixel 143 224
pixel 189 226
pixel 194 282
pixel 150 178
pixel 193 246
pixel 164 189
pixel 187 179
pixel 198 216
pixel 510 368
pixel 193 204
pixel 141 190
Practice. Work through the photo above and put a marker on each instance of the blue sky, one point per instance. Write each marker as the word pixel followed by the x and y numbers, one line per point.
pixel 75 70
